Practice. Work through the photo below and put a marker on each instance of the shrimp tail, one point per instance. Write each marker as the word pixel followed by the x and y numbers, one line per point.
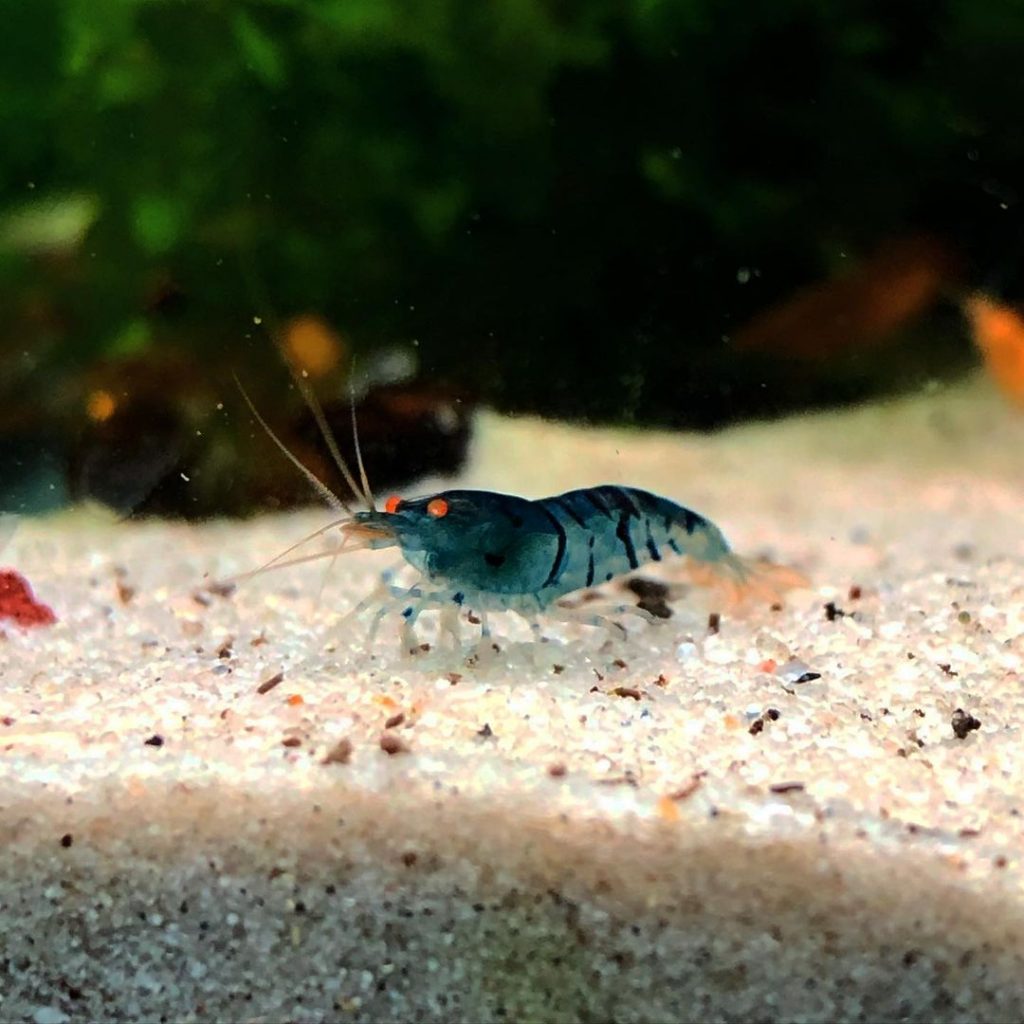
pixel 737 581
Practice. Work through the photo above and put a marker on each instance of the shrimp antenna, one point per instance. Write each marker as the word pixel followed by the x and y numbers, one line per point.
pixel 309 396
pixel 355 435
pixel 272 563
pixel 301 560
pixel 317 484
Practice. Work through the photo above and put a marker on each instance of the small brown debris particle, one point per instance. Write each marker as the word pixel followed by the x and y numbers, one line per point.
pixel 124 592
pixel 653 596
pixel 340 753
pixel 918 712
pixel 156 740
pixel 969 833
pixel 659 609
pixel 855 593
pixel 291 741
pixel 619 663
pixel 786 787
pixel 964 618
pixel 948 670
pixel 770 715
pixel 425 648
pixel 662 680
pixel 558 669
pixel 392 745
pixel 473 619
pixel 964 552
pixel 485 732
pixel 258 641
pixel 643 587
pixel 627 778
pixel 832 612
pixel 225 649
pixel 409 858
pixel 556 770
pixel 66 840
pixel 201 599
pixel 454 677
pixel 268 684
pixel 963 723
pixel 1000 861
pixel 691 787
pixel 777 607
pixel 395 721
pixel 191 627
pixel 714 623
pixel 221 589
pixel 627 691
pixel 600 678
pixel 7 720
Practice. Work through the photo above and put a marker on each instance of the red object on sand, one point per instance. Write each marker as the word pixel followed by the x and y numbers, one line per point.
pixel 18 603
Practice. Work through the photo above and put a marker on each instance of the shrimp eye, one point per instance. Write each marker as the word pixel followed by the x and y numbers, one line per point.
pixel 437 508
pixel 392 504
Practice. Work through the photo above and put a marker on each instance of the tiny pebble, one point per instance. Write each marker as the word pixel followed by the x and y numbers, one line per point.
pixel 963 723
pixel 797 671
pixel 49 1015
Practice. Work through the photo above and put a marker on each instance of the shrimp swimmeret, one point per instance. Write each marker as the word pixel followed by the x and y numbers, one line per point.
pixel 479 551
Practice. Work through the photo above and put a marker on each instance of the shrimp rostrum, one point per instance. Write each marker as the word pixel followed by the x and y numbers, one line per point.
pixel 480 551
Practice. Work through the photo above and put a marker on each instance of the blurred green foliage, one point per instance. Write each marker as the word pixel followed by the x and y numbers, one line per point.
pixel 565 204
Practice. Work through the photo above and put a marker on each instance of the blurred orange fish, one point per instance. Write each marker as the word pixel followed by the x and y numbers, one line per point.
pixel 860 309
pixel 999 333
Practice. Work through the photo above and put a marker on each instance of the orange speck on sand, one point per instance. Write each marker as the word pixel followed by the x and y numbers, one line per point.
pixel 768 665
pixel 296 699
pixel 667 809
pixel 731 722
pixel 384 700
pixel 312 346
pixel 999 333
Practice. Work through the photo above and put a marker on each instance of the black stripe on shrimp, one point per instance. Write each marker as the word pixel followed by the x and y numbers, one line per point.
pixel 556 565
pixel 569 511
pixel 622 532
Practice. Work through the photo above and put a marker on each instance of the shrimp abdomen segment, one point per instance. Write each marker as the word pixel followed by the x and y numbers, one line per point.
pixel 610 531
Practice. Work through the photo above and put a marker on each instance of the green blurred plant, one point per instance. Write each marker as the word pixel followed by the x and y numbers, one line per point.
pixel 547 197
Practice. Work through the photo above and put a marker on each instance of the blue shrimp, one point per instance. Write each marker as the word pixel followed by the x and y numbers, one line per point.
pixel 485 551
pixel 480 551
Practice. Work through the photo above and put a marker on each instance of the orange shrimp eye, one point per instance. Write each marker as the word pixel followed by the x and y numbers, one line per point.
pixel 392 504
pixel 437 508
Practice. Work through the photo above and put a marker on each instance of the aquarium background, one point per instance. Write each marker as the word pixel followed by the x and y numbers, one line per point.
pixel 681 214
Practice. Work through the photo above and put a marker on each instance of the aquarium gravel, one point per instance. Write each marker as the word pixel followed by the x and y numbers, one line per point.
pixel 217 804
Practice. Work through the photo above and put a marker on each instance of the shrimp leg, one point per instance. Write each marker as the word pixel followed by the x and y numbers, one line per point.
pixel 581 617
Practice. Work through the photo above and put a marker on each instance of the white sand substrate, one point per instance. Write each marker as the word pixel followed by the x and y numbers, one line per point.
pixel 670 827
